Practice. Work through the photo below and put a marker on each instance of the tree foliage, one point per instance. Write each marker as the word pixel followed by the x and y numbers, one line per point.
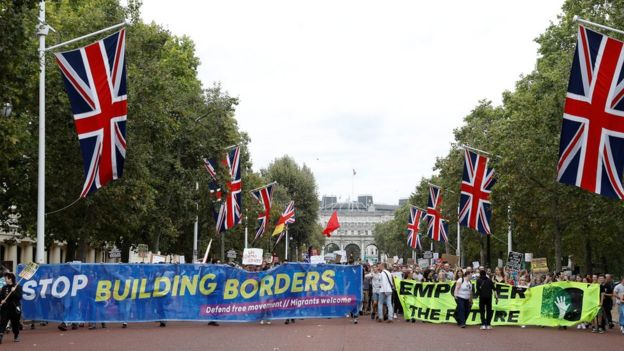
pixel 548 218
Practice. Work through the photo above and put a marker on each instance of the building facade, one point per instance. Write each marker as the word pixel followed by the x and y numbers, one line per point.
pixel 357 224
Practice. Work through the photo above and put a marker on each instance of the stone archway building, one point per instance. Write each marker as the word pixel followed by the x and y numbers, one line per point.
pixel 357 223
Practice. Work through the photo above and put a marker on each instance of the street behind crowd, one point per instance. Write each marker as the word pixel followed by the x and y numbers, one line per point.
pixel 313 334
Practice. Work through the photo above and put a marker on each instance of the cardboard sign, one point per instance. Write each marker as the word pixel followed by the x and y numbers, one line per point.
pixel 142 249
pixel 423 263
pixel 317 259
pixel 514 261
pixel 452 260
pixel 500 263
pixel 252 257
pixel 539 265
pixel 29 270
pixel 475 264
pixel 428 254
pixel 158 259
pixel 528 257
pixel 436 255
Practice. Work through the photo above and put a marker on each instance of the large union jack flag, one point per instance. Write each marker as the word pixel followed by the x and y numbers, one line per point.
pixel 95 81
pixel 230 210
pixel 591 149
pixel 413 227
pixel 265 197
pixel 475 208
pixel 436 226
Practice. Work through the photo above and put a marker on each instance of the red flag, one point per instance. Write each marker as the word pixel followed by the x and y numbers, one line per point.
pixel 332 224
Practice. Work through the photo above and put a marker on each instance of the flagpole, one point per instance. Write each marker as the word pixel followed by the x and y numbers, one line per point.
pixel 578 19
pixel 286 246
pixel 246 225
pixel 118 25
pixel 262 187
pixel 196 226
pixel 509 248
pixel 458 250
pixel 42 31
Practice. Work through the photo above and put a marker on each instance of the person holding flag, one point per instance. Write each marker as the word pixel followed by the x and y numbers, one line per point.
pixel 10 306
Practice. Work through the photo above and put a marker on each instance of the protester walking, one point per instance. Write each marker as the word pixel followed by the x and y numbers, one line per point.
pixel 618 292
pixel 463 298
pixel 485 290
pixel 385 294
pixel 10 306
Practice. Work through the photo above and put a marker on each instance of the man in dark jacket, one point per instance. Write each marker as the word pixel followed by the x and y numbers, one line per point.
pixel 10 306
pixel 485 290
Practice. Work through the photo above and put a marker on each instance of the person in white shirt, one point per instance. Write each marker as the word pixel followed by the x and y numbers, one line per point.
pixel 463 297
pixel 618 292
pixel 385 293
pixel 376 284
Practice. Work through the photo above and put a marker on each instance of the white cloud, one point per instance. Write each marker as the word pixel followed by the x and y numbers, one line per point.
pixel 371 85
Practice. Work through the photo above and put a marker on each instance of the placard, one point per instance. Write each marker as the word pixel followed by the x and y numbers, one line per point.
pixel 252 257
pixel 411 261
pixel 539 265
pixel 317 259
pixel 436 255
pixel 231 254
pixel 428 254
pixel 475 264
pixel 423 263
pixel 514 261
pixel 528 257
pixel 114 253
pixel 158 259
pixel 28 271
pixel 452 260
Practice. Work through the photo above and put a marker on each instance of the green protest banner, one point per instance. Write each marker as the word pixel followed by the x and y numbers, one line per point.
pixel 556 304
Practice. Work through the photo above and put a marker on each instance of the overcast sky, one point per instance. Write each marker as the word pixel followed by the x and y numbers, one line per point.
pixel 375 86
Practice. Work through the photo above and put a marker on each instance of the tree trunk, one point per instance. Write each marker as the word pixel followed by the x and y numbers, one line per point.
pixel 557 244
pixel 589 268
pixel 70 253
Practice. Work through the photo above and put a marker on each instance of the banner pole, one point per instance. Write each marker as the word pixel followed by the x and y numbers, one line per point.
pixel 207 251
pixel 196 227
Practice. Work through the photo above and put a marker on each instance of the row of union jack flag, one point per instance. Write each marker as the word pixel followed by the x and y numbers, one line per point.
pixel 475 209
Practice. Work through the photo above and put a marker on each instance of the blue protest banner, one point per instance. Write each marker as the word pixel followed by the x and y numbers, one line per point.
pixel 187 292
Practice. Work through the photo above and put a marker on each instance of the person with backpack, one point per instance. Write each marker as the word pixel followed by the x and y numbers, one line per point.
pixel 485 290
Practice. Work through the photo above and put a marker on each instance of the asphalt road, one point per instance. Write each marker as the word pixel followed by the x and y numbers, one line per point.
pixel 313 334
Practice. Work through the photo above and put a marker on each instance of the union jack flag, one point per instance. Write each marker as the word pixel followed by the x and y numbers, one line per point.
pixel 591 152
pixel 474 203
pixel 213 185
pixel 436 226
pixel 95 81
pixel 230 210
pixel 413 227
pixel 264 197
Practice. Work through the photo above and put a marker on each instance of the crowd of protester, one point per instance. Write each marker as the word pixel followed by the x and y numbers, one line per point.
pixel 380 299
pixel 378 286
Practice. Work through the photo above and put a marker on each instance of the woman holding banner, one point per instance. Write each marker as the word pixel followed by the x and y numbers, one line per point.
pixel 463 298
pixel 10 306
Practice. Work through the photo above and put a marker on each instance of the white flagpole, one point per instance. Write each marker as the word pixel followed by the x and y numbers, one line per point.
pixel 458 250
pixel 286 246
pixel 196 227
pixel 42 31
pixel 578 19
pixel 509 248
